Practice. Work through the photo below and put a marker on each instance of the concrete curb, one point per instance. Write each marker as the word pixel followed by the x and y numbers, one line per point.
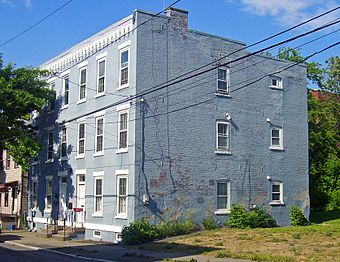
pixel 57 252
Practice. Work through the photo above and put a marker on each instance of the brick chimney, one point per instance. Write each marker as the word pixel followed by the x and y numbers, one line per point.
pixel 179 18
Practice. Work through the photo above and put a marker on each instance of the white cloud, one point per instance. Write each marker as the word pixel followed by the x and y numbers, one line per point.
pixel 28 3
pixel 292 12
pixel 7 2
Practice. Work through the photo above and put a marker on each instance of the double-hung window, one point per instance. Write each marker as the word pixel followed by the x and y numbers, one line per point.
pixel 123 130
pixel 63 147
pixel 98 195
pixel 124 67
pixel 51 102
pixel 223 195
pixel 276 192
pixel 222 137
pixel 101 76
pixel 66 90
pixel 82 84
pixel 223 80
pixel 99 143
pixel 81 139
pixel 276 141
pixel 50 146
pixel 122 196
pixel 49 193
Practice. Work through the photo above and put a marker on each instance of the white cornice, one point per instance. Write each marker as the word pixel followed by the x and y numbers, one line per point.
pixel 90 46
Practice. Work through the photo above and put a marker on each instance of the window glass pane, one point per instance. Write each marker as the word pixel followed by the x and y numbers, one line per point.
pixel 276 196
pixel 222 188
pixel 124 59
pixel 276 188
pixel 124 76
pixel 98 187
pixel 101 70
pixel 222 74
pixel 275 133
pixel 100 124
pixel 99 143
pixel 222 129
pixel 122 186
pixel 222 85
pixel 98 207
pixel 83 76
pixel 222 203
pixel 123 139
pixel 81 131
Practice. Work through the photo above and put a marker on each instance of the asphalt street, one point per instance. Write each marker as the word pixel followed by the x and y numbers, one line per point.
pixel 12 253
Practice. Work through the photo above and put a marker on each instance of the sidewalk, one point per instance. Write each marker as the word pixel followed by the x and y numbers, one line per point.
pixel 96 251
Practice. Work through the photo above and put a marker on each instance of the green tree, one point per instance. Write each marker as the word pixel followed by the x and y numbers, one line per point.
pixel 22 91
pixel 324 129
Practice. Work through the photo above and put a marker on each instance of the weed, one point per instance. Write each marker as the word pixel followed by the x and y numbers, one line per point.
pixel 219 243
pixel 296 235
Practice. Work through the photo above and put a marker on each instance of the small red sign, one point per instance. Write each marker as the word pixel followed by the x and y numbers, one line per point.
pixel 78 209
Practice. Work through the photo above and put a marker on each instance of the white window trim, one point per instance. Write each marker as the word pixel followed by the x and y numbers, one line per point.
pixel 83 154
pixel 224 211
pixel 125 149
pixel 279 81
pixel 280 201
pixel 34 203
pixel 217 150
pixel 99 153
pixel 97 76
pixel 97 176
pixel 222 92
pixel 122 215
pixel 64 106
pixel 280 146
pixel 79 86
pixel 121 50
pixel 83 64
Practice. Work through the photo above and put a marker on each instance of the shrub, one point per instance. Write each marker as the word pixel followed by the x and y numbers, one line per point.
pixel 138 232
pixel 297 218
pixel 142 231
pixel 334 201
pixel 175 228
pixel 238 217
pixel 241 218
pixel 210 223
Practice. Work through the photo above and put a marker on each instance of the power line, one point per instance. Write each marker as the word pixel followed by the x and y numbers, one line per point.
pixel 35 24
pixel 151 90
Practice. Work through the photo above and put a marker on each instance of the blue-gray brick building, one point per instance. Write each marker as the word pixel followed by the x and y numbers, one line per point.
pixel 136 131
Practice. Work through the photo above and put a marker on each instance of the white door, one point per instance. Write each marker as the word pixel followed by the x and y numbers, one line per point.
pixel 80 199
pixel 62 197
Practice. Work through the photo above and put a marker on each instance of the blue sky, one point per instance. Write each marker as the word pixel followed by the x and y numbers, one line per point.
pixel 244 20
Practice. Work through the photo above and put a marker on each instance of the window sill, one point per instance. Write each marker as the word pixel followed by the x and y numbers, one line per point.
pixel 222 212
pixel 223 94
pixel 99 95
pixel 122 150
pixel 64 107
pixel 80 156
pixel 276 87
pixel 97 215
pixel 98 154
pixel 81 101
pixel 48 210
pixel 65 158
pixel 276 203
pixel 121 217
pixel 123 86
pixel 273 148
pixel 35 163
pixel 220 152
pixel 49 161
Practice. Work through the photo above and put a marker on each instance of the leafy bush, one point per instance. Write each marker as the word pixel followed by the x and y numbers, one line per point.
pixel 138 232
pixel 297 218
pixel 241 218
pixel 142 231
pixel 210 223
pixel 175 228
pixel 334 201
